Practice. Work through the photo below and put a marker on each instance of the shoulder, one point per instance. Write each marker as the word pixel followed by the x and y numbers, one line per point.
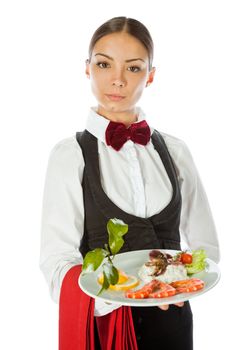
pixel 66 145
pixel 180 153
pixel 175 145
pixel 66 151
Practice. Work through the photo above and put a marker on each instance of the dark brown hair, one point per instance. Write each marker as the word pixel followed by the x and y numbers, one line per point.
pixel 127 25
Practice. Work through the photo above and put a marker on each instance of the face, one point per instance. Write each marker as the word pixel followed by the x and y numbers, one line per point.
pixel 118 72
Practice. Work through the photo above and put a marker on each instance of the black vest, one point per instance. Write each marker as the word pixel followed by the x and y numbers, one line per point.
pixel 158 231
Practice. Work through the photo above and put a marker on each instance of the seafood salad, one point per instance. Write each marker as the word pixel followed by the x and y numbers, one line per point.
pixel 163 267
pixel 165 275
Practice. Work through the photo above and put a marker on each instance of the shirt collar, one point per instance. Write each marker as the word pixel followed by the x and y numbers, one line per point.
pixel 96 124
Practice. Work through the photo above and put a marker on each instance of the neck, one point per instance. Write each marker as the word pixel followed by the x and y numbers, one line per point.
pixel 126 117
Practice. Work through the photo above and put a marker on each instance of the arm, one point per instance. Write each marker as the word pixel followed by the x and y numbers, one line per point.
pixel 62 214
pixel 196 224
pixel 62 223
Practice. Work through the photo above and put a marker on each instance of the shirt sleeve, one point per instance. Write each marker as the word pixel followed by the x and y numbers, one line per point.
pixel 62 222
pixel 197 226
pixel 62 214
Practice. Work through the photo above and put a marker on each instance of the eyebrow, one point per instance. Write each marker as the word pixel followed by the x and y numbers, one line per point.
pixel 110 58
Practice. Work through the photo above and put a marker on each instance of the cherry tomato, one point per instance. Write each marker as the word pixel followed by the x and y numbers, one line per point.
pixel 187 286
pixel 186 258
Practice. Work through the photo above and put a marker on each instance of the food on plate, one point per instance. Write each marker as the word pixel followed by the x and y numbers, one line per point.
pixel 153 289
pixel 198 262
pixel 167 268
pixel 124 282
pixel 158 289
pixel 186 258
pixel 167 275
pixel 104 256
pixel 142 292
pixel 187 286
pixel 164 275
pixel 162 267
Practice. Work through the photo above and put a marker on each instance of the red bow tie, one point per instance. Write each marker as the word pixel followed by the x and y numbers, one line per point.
pixel 117 134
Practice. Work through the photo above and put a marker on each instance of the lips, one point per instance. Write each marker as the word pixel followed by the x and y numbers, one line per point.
pixel 115 97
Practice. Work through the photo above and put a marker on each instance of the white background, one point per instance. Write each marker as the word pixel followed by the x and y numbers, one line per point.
pixel 45 97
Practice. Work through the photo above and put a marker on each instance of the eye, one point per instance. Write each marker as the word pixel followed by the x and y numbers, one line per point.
pixel 102 65
pixel 134 69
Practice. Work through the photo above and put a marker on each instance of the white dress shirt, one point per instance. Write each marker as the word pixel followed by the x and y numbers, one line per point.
pixel 135 179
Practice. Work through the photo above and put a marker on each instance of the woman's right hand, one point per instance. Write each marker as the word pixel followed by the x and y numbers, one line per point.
pixel 165 307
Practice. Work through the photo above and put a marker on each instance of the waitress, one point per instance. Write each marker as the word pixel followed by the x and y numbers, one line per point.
pixel 120 167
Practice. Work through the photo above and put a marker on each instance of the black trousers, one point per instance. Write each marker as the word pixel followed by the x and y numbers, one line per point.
pixel 166 330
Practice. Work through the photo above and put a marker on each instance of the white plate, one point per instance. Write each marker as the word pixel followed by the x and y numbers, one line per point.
pixel 130 262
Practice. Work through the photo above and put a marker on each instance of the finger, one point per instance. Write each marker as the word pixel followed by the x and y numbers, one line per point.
pixel 164 307
pixel 180 304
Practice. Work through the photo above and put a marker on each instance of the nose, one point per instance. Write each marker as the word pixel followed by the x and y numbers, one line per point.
pixel 119 79
pixel 118 83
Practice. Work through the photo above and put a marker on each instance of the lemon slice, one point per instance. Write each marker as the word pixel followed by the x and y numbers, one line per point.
pixel 121 279
pixel 131 282
pixel 124 282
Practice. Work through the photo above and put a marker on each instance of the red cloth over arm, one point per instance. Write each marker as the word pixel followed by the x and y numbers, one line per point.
pixel 76 314
pixel 116 330
pixel 76 320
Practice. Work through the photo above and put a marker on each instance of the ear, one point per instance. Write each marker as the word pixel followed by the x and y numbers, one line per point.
pixel 151 76
pixel 87 70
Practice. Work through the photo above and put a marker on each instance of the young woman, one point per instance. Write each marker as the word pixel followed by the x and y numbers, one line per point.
pixel 120 167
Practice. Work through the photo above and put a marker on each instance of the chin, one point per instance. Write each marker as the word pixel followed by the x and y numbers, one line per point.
pixel 113 107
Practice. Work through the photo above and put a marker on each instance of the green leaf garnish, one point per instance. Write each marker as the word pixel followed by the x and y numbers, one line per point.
pixel 93 259
pixel 199 262
pixel 116 229
pixel 110 272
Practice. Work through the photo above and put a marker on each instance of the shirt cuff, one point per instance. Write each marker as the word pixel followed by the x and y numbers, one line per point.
pixel 102 308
